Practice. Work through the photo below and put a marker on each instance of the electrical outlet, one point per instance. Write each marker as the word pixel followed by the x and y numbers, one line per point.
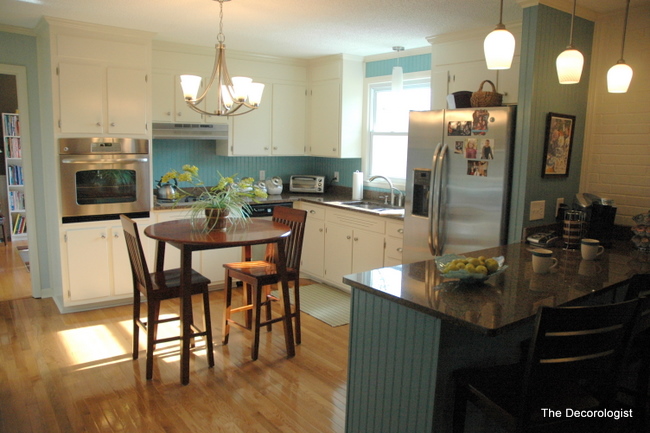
pixel 336 177
pixel 537 210
pixel 558 202
pixel 262 175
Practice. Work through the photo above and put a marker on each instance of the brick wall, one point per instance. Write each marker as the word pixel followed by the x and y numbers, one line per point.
pixel 616 162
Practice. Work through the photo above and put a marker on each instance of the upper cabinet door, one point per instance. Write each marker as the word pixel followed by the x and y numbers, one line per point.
pixel 162 98
pixel 127 101
pixel 325 119
pixel 252 131
pixel 288 127
pixel 81 98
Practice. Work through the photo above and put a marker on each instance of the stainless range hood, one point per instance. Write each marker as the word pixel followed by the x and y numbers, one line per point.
pixel 195 131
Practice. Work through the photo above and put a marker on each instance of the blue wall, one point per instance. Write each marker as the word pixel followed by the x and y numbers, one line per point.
pixel 173 154
pixel 545 36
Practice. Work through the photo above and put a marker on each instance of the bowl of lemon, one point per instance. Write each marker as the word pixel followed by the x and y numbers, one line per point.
pixel 470 269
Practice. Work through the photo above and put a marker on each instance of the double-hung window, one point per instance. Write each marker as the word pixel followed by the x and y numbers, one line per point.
pixel 388 126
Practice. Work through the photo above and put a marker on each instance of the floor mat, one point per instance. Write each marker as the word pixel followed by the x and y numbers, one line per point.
pixel 325 303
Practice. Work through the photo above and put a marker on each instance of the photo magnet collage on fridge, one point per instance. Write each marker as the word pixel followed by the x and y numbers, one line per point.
pixel 472 143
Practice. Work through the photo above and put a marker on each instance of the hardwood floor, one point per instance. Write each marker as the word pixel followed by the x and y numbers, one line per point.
pixel 74 373
pixel 15 281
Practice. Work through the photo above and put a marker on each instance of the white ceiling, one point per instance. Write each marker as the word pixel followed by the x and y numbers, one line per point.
pixel 293 28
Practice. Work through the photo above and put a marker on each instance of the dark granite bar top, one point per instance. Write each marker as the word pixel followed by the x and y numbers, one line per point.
pixel 509 298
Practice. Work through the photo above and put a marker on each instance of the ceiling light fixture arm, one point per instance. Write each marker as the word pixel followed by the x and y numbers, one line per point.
pixel 627 12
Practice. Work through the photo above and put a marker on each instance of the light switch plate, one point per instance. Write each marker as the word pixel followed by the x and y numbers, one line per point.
pixel 537 210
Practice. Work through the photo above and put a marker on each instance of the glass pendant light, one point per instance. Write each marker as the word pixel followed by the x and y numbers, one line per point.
pixel 499 46
pixel 397 77
pixel 570 61
pixel 619 76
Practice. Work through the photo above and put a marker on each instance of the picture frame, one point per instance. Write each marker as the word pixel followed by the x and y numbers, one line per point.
pixel 558 143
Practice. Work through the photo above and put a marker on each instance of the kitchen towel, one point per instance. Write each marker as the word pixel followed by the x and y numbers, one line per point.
pixel 357 185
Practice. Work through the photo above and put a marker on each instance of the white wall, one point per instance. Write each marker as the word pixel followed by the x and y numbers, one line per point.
pixel 616 162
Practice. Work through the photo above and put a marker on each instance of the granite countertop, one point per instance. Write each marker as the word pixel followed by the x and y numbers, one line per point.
pixel 510 298
pixel 329 198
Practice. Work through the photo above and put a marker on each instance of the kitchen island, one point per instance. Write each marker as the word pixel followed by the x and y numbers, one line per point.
pixel 410 328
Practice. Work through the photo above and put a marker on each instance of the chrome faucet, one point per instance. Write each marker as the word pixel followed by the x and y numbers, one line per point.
pixel 390 184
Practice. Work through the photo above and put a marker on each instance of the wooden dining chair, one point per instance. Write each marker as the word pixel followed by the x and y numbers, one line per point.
pixel 157 287
pixel 573 363
pixel 260 275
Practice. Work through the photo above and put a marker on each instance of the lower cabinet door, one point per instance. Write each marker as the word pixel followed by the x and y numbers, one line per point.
pixel 88 258
pixel 338 253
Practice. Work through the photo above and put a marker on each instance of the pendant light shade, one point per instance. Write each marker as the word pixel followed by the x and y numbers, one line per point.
pixel 619 76
pixel 569 66
pixel 499 46
pixel 397 77
pixel 570 61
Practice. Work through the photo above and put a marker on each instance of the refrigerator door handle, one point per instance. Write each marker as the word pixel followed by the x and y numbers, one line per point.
pixel 434 221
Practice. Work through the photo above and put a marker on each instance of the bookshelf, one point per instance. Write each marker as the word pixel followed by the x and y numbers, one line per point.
pixel 11 145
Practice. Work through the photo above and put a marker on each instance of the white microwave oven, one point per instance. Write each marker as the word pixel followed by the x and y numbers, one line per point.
pixel 307 183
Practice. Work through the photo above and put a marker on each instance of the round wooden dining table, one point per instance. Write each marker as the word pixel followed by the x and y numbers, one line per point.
pixel 189 237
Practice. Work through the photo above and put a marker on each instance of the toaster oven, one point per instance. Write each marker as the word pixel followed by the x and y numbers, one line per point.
pixel 307 183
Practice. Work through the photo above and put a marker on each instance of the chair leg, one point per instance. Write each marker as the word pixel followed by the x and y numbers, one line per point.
pixel 247 300
pixel 227 307
pixel 136 328
pixel 268 305
pixel 296 311
pixel 153 308
pixel 207 322
pixel 257 306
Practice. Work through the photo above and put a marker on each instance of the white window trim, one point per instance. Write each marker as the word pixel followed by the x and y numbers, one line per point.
pixel 365 160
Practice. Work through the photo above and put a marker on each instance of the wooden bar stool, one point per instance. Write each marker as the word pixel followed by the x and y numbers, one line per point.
pixel 157 287
pixel 259 275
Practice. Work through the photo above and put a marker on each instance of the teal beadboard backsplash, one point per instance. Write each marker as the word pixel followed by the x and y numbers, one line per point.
pixel 173 154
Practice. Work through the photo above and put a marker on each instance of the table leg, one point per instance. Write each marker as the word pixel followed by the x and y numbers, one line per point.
pixel 281 266
pixel 186 312
pixel 160 256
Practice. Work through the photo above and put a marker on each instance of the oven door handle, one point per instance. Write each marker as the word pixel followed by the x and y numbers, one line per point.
pixel 102 161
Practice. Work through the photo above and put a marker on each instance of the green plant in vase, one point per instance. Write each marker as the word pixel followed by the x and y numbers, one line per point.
pixel 215 206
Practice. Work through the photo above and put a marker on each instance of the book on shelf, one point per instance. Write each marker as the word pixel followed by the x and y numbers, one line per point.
pixel 14 149
pixel 11 124
pixel 15 174
pixel 20 225
pixel 16 201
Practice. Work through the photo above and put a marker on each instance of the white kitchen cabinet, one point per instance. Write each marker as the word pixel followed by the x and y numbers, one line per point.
pixel 276 128
pixel 97 262
pixel 168 103
pixel 335 107
pixel 288 120
pixel 96 99
pixel 313 247
pixel 394 243
pixel 353 243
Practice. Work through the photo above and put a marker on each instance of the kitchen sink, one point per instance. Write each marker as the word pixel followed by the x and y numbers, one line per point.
pixel 372 207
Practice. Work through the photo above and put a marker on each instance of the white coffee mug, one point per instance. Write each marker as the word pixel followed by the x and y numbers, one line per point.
pixel 591 248
pixel 543 260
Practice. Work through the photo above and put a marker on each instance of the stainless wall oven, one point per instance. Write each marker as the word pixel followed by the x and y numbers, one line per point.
pixel 102 178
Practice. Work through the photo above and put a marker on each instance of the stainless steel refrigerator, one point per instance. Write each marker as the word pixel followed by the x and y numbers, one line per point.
pixel 458 181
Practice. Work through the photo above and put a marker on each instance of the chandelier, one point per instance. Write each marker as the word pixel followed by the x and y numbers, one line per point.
pixel 235 96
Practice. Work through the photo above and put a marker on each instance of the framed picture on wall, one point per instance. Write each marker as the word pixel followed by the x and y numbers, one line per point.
pixel 558 144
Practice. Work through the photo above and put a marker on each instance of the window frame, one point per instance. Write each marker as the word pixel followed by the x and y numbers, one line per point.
pixel 422 77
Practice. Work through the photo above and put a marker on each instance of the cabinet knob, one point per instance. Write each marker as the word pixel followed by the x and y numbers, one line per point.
pixel 399 250
pixel 266 148
pixel 334 149
pixel 98 124
pixel 179 114
pixel 103 235
pixel 112 123
pixel 312 211
pixel 275 147
pixel 356 239
pixel 116 235
pixel 400 230
pixel 169 113
pixel 320 230
pixel 348 237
